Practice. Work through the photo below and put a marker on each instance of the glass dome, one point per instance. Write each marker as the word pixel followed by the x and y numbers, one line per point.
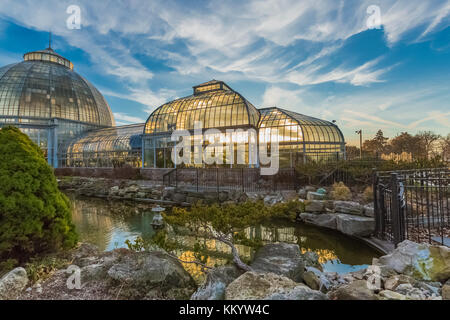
pixel 44 86
pixel 213 103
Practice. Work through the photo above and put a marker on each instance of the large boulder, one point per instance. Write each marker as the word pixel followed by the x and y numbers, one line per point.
pixel 315 206
pixel 356 290
pixel 216 282
pixel 355 225
pixel 269 286
pixel 139 273
pixel 298 293
pixel 421 261
pixel 280 258
pixel 13 283
pixel 315 196
pixel 349 207
pixel 327 220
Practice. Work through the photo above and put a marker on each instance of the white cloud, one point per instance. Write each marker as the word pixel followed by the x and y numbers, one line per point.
pixel 151 100
pixel 359 76
pixel 278 97
pixel 125 118
pixel 227 36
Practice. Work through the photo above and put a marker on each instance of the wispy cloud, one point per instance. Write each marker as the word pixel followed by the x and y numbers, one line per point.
pixel 125 118
pixel 359 76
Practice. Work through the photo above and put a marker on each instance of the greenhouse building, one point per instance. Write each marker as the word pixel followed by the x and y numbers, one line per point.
pixel 74 126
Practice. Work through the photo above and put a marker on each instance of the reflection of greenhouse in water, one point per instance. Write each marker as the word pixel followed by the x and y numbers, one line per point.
pixel 108 225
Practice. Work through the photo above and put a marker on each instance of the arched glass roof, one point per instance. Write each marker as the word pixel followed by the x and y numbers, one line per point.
pixel 296 127
pixel 109 147
pixel 213 103
pixel 122 138
pixel 44 86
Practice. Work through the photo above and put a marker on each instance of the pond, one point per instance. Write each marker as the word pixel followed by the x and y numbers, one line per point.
pixel 108 224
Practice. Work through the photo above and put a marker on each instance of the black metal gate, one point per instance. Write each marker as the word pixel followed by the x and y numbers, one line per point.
pixel 241 179
pixel 413 204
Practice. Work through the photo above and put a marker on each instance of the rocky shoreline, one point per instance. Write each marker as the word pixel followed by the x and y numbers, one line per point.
pixel 279 272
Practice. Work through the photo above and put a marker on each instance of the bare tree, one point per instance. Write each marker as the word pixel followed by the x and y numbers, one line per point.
pixel 427 140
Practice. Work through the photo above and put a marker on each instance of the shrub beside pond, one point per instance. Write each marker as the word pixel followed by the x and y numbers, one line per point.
pixel 35 217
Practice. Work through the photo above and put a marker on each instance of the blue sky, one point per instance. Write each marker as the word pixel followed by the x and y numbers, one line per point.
pixel 318 57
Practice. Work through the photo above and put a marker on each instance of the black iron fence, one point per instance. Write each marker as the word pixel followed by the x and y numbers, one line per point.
pixel 413 205
pixel 241 179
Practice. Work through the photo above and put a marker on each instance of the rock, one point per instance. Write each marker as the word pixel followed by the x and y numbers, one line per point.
pixel 315 206
pixel 369 211
pixel 114 190
pixel 357 290
pixel 446 291
pixel 132 189
pixel 179 197
pixel 298 293
pixel 280 258
pixel 272 199
pixel 289 195
pixel 85 254
pixel 421 261
pixel 253 196
pixel 348 207
pixel 223 196
pixel 322 220
pixel 315 196
pixel 311 280
pixel 141 195
pixel 394 281
pixel 13 283
pixel 311 259
pixel 168 193
pixel 268 286
pixel 391 295
pixel 216 282
pixel 355 225
pixel 409 291
pixel 429 287
pixel 142 271
pixel 257 286
pixel 302 193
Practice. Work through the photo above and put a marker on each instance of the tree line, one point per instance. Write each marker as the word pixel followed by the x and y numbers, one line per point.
pixel 423 145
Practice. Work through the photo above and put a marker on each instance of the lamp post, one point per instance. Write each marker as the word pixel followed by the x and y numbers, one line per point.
pixel 360 143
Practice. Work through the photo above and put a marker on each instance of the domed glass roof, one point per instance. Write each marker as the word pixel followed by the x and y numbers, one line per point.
pixel 213 103
pixel 44 86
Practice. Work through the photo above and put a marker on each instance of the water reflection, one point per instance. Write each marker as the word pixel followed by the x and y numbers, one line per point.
pixel 110 224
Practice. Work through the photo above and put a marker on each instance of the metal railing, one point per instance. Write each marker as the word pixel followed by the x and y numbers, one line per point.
pixel 413 205
pixel 240 179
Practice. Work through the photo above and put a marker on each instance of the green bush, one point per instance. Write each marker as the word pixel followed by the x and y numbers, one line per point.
pixel 35 217
pixel 288 210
